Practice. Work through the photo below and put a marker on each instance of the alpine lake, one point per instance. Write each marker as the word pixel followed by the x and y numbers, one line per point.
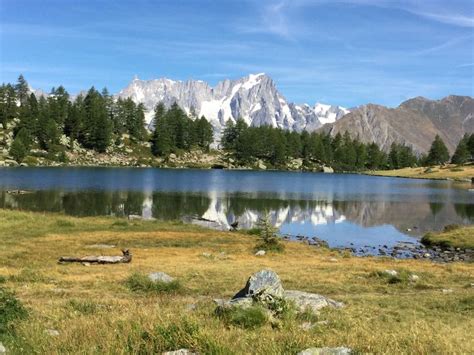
pixel 365 214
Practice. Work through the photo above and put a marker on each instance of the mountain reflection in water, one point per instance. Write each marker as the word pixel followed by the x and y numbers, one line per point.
pixel 341 223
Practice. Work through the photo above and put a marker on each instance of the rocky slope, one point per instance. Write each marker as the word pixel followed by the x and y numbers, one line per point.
pixel 254 98
pixel 415 122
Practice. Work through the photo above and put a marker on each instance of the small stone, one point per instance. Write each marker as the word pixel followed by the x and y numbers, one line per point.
pixel 52 332
pixel 207 255
pixel 447 290
pixel 413 277
pixel 3 350
pixel 391 272
pixel 307 326
pixel 427 255
pixel 326 351
pixel 179 352
pixel 160 277
pixel 260 253
pixel 333 260
pixel 86 264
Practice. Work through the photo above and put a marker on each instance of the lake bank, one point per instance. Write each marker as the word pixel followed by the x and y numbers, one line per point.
pixel 91 307
pixel 462 173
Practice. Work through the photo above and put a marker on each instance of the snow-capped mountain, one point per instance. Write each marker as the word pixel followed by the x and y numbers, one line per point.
pixel 254 98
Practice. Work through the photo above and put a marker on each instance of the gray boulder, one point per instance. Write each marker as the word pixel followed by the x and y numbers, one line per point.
pixel 313 301
pixel 326 351
pixel 262 282
pixel 160 277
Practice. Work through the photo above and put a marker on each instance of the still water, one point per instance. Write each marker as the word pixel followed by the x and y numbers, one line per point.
pixel 343 209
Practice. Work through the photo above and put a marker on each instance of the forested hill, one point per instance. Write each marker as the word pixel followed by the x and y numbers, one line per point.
pixel 97 129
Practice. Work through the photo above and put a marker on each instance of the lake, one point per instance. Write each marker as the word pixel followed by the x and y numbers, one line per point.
pixel 346 210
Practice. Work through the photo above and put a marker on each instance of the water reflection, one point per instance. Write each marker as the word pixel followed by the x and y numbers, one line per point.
pixel 340 222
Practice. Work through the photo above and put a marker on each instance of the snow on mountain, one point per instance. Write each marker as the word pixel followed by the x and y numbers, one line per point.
pixel 254 98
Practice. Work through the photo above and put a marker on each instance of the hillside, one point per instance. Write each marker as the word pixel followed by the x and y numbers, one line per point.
pixel 414 123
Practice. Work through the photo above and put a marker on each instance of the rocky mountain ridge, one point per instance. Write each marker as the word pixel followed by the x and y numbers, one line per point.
pixel 254 98
pixel 414 122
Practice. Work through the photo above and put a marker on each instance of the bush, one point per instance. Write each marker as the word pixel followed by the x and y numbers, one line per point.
pixel 249 318
pixel 269 241
pixel 10 309
pixel 141 283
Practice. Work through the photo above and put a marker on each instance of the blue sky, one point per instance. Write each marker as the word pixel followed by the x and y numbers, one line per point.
pixel 340 52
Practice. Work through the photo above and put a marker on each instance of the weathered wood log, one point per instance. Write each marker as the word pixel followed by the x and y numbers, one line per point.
pixel 125 258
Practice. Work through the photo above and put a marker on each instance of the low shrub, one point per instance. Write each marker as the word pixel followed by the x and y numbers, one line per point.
pixel 269 240
pixel 141 283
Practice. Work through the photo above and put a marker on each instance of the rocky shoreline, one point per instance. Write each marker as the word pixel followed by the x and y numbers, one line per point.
pixel 402 250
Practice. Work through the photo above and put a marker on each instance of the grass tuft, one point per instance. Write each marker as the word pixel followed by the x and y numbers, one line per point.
pixel 251 317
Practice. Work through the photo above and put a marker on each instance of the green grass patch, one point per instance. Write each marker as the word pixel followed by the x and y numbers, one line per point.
pixel 452 236
pixel 11 309
pixel 251 317
pixel 142 284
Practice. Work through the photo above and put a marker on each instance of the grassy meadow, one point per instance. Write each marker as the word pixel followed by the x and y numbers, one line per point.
pixel 450 171
pixel 111 309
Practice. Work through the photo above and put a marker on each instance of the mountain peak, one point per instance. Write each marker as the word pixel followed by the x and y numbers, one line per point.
pixel 254 98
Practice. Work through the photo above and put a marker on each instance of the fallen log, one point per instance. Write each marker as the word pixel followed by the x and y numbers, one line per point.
pixel 125 258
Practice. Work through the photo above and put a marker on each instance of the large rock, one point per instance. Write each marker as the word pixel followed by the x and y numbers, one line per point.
pixel 313 301
pixel 328 170
pixel 262 282
pixel 160 277
pixel 326 351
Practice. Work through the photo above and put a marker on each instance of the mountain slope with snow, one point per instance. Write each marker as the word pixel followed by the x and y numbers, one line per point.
pixel 254 98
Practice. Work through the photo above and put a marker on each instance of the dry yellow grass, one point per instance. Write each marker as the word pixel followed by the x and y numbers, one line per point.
pixel 379 317
pixel 453 172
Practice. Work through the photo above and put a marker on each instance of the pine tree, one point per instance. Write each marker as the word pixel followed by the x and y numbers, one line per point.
pixel 438 153
pixel 470 145
pixel 18 150
pixel 462 154
pixel 97 125
pixel 22 90
pixel 75 119
pixel 47 130
pixel 204 133
pixel 8 108
pixel 161 139
pixel 59 105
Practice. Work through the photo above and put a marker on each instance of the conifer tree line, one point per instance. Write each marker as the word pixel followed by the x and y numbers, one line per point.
pixel 97 121
pixel 277 147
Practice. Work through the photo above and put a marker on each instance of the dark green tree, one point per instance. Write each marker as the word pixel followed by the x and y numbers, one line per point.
pixel 462 153
pixel 161 144
pixel 438 153
pixel 22 90
pixel 8 108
